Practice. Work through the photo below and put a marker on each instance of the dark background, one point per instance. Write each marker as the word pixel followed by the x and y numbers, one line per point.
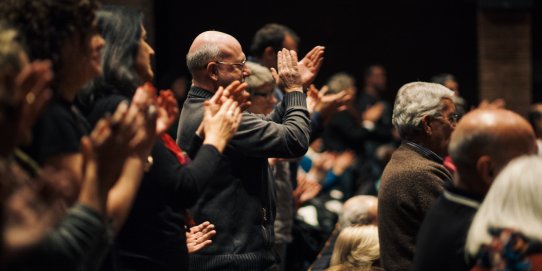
pixel 414 40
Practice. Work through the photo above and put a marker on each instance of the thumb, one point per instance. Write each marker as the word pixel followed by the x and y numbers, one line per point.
pixel 275 76
pixel 324 90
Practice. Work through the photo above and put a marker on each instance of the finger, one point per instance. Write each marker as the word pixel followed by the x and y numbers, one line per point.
pixel 324 90
pixel 275 76
pixel 293 59
pixel 225 107
pixel 121 110
pixel 229 90
pixel 218 94
pixel 280 61
pixel 287 58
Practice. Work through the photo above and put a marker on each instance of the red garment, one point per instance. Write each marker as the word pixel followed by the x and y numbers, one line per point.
pixel 175 149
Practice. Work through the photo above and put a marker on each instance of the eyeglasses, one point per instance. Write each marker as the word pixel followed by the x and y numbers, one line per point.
pixel 453 118
pixel 238 65
pixel 263 94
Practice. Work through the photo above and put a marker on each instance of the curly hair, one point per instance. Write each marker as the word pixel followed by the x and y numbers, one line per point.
pixel 46 25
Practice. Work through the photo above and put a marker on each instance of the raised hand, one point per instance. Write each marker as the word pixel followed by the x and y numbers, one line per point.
pixel 288 71
pixel 31 94
pixel 310 65
pixel 327 105
pixel 165 105
pixel 200 236
pixel 219 127
pixel 374 112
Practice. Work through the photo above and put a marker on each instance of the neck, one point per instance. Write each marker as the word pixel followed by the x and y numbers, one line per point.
pixel 68 89
pixel 469 183
pixel 209 86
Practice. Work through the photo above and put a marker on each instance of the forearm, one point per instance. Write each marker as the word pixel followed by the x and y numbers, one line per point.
pixel 122 195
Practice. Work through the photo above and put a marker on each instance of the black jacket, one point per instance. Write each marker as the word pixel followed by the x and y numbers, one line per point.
pixel 240 200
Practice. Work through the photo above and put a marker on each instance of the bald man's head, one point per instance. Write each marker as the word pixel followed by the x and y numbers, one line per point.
pixel 359 210
pixel 484 141
pixel 216 59
pixel 208 46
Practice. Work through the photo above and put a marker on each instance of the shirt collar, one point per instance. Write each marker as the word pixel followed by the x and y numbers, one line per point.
pixel 425 152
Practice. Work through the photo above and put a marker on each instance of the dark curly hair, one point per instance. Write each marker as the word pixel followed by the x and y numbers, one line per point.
pixel 270 35
pixel 45 25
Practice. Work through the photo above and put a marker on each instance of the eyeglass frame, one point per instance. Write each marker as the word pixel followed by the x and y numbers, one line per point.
pixel 453 118
pixel 263 95
pixel 241 65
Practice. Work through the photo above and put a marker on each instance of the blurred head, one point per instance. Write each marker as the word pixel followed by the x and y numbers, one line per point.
pixel 12 60
pixel 425 114
pixel 512 202
pixel 270 39
pixel 535 119
pixel 447 80
pixel 216 59
pixel 356 247
pixel 484 141
pixel 375 78
pixel 62 31
pixel 261 86
pixel 341 81
pixel 126 57
pixel 359 210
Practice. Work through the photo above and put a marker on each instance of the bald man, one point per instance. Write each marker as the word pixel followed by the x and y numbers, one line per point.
pixel 483 142
pixel 240 200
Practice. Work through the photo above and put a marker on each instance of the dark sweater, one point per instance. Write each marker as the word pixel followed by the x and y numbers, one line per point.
pixel 239 200
pixel 77 243
pixel 411 182
pixel 442 237
pixel 153 236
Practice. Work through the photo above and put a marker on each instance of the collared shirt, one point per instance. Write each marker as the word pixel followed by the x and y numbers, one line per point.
pixel 425 152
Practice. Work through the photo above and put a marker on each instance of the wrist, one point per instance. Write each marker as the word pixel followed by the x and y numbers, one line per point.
pixel 218 143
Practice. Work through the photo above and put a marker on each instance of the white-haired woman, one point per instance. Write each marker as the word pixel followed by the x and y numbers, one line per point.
pixel 506 231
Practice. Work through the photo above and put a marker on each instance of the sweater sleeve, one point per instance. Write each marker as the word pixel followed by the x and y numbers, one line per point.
pixel 285 133
pixel 81 240
pixel 186 182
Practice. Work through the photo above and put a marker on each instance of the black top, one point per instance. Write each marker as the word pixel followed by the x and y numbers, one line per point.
pixel 442 236
pixel 153 236
pixel 240 199
pixel 58 130
pixel 344 132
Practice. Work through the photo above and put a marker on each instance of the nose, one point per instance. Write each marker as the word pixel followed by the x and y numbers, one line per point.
pixel 99 41
pixel 151 50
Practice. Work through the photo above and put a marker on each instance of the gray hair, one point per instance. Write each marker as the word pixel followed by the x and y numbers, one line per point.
pixel 259 76
pixel 199 58
pixel 513 201
pixel 414 101
pixel 358 212
pixel 340 81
